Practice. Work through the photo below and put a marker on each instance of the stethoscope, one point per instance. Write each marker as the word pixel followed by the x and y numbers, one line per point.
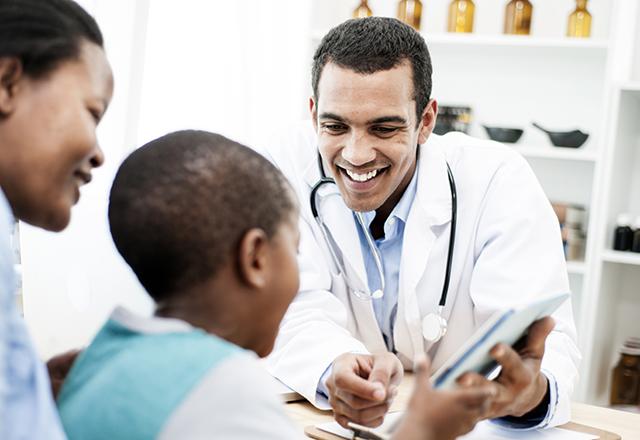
pixel 434 325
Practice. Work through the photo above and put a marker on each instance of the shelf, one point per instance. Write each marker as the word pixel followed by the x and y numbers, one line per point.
pixel 623 257
pixel 630 86
pixel 576 267
pixel 516 41
pixel 559 153
pixel 506 41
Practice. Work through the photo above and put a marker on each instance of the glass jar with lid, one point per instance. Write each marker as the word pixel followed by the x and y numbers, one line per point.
pixel 625 381
pixel 517 17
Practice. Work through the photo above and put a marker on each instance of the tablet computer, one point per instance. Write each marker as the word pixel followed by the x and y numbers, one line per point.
pixel 508 326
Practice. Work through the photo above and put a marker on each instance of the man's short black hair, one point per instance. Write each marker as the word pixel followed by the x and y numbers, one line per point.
pixel 373 44
pixel 180 205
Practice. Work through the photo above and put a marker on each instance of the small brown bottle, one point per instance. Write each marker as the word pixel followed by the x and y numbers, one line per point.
pixel 363 10
pixel 461 16
pixel 410 12
pixel 625 383
pixel 579 21
pixel 517 18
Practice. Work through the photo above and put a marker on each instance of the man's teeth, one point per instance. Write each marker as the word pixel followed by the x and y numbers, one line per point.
pixel 362 177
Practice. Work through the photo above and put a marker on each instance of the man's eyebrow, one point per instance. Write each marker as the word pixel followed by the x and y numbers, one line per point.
pixel 384 119
pixel 333 116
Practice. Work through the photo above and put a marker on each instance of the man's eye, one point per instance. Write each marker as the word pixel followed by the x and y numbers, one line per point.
pixel 334 128
pixel 385 130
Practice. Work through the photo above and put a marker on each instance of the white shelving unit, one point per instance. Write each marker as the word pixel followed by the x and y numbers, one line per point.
pixel 563 83
pixel 556 153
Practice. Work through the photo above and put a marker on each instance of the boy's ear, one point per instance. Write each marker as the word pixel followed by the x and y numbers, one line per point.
pixel 253 258
pixel 10 75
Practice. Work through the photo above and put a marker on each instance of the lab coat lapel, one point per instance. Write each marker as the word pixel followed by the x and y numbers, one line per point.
pixel 339 220
pixel 431 208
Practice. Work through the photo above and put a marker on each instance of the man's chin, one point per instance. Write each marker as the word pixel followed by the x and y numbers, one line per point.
pixel 361 207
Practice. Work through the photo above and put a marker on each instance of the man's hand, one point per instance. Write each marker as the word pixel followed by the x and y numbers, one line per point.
pixel 58 367
pixel 361 387
pixel 521 386
pixel 442 415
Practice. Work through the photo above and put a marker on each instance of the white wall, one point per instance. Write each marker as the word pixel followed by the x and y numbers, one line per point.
pixel 238 68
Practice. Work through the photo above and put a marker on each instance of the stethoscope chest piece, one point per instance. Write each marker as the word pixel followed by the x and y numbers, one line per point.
pixel 434 327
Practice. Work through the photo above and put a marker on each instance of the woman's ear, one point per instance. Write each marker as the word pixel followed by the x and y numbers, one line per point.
pixel 254 258
pixel 10 75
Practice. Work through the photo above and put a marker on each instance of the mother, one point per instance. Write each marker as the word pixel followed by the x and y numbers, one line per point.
pixel 55 85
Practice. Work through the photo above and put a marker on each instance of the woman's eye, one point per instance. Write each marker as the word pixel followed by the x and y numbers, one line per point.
pixel 96 114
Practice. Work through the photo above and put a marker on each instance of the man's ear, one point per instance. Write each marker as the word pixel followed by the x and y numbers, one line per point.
pixel 253 258
pixel 10 75
pixel 313 109
pixel 429 116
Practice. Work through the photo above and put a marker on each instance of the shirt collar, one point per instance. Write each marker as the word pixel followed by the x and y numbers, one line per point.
pixel 402 208
pixel 150 324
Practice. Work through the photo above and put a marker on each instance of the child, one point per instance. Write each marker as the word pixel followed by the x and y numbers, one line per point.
pixel 210 229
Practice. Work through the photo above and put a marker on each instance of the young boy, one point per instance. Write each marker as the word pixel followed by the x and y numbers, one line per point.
pixel 210 229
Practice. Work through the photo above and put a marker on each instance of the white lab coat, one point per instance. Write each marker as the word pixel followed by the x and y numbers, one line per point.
pixel 508 249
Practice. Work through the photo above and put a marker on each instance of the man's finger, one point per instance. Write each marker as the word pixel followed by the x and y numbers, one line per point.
pixel 359 387
pixel 381 374
pixel 355 401
pixel 365 417
pixel 513 369
pixel 537 336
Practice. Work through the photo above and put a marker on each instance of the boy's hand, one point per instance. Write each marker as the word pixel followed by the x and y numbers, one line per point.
pixel 442 415
pixel 361 387
pixel 58 368
pixel 521 385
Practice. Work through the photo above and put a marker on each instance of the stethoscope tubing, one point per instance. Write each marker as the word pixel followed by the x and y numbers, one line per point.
pixel 452 234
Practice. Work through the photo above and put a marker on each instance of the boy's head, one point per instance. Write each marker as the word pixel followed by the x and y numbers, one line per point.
pixel 210 228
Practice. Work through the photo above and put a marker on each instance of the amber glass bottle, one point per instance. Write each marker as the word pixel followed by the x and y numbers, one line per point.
pixel 410 11
pixel 517 18
pixel 363 10
pixel 580 21
pixel 461 16
pixel 625 381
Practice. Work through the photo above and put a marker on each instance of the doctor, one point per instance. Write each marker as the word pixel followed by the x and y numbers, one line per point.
pixel 411 241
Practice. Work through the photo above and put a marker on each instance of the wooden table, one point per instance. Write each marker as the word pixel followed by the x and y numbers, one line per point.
pixel 625 424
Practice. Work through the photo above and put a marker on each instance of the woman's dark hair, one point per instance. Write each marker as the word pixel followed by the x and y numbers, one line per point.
pixel 43 33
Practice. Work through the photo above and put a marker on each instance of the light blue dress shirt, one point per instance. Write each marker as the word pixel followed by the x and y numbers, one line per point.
pixel 27 409
pixel 389 249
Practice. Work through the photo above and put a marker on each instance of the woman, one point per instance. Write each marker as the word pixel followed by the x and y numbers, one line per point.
pixel 55 85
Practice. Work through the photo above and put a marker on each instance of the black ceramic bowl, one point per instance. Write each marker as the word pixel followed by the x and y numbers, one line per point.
pixel 569 139
pixel 502 134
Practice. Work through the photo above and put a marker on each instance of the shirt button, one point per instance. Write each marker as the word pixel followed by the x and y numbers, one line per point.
pixel 392 221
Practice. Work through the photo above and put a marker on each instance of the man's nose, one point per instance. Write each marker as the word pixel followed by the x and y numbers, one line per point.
pixel 358 150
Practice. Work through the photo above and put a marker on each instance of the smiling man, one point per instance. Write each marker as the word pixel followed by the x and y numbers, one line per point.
pixel 411 241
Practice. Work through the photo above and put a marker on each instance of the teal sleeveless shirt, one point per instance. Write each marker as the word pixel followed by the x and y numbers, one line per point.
pixel 126 384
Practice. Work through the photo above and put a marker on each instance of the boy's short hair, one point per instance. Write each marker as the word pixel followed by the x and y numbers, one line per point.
pixel 180 205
